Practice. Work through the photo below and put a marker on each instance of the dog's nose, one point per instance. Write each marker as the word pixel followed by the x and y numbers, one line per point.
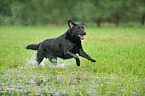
pixel 84 33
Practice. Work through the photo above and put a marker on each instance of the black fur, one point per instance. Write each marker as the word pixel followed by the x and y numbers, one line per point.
pixel 33 46
pixel 65 46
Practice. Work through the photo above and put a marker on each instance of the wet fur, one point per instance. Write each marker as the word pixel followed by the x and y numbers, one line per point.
pixel 65 46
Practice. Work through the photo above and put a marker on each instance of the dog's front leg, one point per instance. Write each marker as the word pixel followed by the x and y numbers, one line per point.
pixel 76 57
pixel 83 54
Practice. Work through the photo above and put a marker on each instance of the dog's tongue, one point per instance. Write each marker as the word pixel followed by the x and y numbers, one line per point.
pixel 81 36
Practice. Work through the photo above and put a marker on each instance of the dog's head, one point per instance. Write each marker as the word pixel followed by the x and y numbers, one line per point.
pixel 77 30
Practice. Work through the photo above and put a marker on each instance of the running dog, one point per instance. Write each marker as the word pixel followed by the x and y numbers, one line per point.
pixel 65 46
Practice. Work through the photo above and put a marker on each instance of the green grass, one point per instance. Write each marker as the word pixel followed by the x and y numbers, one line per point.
pixel 119 68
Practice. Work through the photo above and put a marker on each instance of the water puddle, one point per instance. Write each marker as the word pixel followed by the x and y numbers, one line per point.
pixel 28 80
pixel 19 82
pixel 60 84
pixel 32 63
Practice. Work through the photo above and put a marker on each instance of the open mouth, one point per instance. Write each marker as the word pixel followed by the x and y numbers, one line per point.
pixel 81 36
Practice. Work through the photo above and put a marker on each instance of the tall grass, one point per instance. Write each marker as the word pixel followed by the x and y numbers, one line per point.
pixel 119 67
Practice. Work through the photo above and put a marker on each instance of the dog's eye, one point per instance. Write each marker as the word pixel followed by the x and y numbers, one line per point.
pixel 82 27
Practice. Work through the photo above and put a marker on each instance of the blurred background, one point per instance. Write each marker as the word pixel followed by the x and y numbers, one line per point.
pixel 57 12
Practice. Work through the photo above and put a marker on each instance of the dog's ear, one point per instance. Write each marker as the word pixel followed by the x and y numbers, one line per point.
pixel 83 23
pixel 71 23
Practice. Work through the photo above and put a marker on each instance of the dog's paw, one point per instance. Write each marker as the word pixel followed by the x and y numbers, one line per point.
pixel 78 62
pixel 93 60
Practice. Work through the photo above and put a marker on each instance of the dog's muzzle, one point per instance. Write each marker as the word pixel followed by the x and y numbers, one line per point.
pixel 81 36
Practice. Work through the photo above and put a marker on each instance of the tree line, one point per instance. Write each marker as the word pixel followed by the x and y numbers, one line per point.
pixel 43 12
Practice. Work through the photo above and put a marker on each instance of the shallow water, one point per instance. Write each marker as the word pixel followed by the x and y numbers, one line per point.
pixel 32 63
pixel 16 82
pixel 27 80
pixel 59 85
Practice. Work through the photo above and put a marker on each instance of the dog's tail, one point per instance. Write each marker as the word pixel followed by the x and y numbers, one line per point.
pixel 33 46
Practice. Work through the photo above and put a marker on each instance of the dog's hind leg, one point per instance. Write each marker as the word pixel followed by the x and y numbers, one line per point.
pixel 53 59
pixel 40 55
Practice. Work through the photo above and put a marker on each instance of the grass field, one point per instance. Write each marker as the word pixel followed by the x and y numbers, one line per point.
pixel 119 68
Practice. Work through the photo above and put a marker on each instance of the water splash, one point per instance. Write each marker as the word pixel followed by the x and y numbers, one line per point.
pixel 32 63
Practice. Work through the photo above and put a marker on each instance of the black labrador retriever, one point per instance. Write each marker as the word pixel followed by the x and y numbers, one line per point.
pixel 65 46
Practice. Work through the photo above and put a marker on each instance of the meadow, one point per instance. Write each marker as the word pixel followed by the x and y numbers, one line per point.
pixel 119 68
